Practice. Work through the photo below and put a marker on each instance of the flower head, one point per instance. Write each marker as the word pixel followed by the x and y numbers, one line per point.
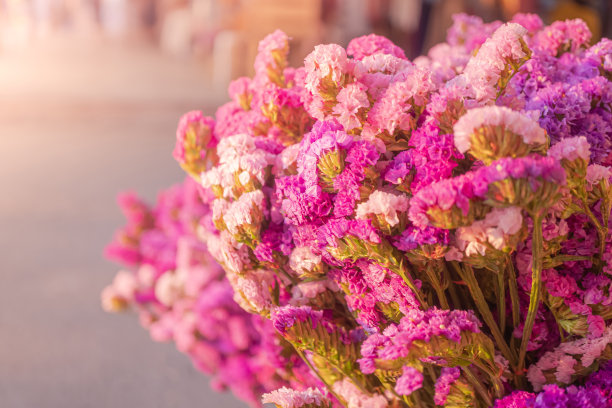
pixel 531 182
pixel 493 132
pixel 367 45
pixel 195 143
pixel 410 381
pixel 447 204
pixel 288 398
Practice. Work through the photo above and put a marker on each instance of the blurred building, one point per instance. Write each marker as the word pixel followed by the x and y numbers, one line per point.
pixel 227 31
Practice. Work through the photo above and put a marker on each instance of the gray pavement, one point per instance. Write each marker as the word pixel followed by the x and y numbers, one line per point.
pixel 78 124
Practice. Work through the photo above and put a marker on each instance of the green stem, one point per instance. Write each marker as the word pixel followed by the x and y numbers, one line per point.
pixel 432 275
pixel 288 275
pixel 602 231
pixel 477 386
pixel 403 271
pixel 497 384
pixel 537 250
pixel 314 370
pixel 467 274
pixel 513 290
pixel 452 288
pixel 559 259
pixel 501 300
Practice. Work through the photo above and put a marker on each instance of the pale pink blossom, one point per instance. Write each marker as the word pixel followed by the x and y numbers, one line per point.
pixel 277 42
pixel 384 63
pixel 168 288
pixel 445 62
pixel 494 230
pixel 252 291
pixel 247 210
pixel 219 208
pixel 565 369
pixel 355 398
pixel 119 292
pixel 513 121
pixel 286 159
pixel 303 292
pixel 385 204
pixel 303 261
pixel 326 60
pixel 571 148
pixel 238 156
pixel 562 359
pixel 229 253
pixel 289 398
pixel 453 254
pixel 146 275
pixel 596 173
pixel 352 99
pixel 483 70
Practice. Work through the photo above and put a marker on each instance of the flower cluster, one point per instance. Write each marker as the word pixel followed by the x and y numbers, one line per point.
pixel 181 295
pixel 417 233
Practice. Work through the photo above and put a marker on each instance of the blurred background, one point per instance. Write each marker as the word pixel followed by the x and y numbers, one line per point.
pixel 90 94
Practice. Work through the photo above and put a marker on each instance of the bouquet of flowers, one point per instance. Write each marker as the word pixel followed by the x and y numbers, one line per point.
pixel 393 233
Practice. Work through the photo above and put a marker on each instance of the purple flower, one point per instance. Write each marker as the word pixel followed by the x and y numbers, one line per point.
pixel 285 318
pixel 298 206
pixel 400 168
pixel 534 172
pixel 339 228
pixel 414 237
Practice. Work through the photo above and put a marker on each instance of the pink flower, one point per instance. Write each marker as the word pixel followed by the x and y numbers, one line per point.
pixel 116 296
pixel 355 398
pixel 325 61
pixel 272 55
pixel 239 90
pixel 410 381
pixel 396 110
pixel 194 140
pixel 498 225
pixel 571 149
pixel 503 117
pixel 352 101
pixel 367 45
pixel 532 22
pixel 570 34
pixel 247 211
pixel 597 173
pixel 444 382
pixel 169 288
pixel 562 359
pixel 385 204
pixel 303 261
pixel 288 398
pixel 484 70
pixel 565 369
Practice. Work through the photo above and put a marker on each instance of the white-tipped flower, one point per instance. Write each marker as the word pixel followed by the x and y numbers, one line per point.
pixel 493 132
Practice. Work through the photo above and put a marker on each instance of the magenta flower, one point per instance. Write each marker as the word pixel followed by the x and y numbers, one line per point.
pixel 410 381
pixel 446 204
pixel 444 382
